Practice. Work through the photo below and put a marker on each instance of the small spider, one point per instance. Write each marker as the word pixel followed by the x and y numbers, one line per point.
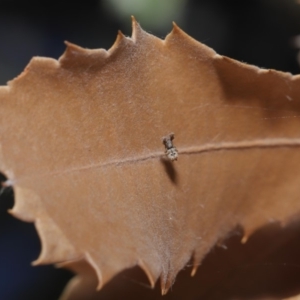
pixel 171 151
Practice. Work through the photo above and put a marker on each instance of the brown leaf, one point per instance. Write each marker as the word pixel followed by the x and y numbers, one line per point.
pixel 81 143
pixel 265 268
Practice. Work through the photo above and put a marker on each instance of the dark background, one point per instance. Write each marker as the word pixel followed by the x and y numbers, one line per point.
pixel 258 32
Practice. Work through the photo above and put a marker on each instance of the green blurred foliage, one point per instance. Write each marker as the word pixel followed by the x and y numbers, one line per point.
pixel 156 15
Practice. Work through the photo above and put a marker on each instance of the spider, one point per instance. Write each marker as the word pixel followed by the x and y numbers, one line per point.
pixel 171 151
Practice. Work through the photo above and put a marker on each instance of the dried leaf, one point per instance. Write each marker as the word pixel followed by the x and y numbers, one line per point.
pixel 81 143
pixel 266 267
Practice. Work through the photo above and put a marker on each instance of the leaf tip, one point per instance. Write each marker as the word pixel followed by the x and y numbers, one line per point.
pixel 151 277
pixel 43 258
pixel 194 270
pixel 93 264
pixel 120 42
pixel 23 208
pixel 55 246
pixel 245 238
pixel 165 286
pixel 120 37
pixel 120 34
pixel 166 281
pixel 36 262
pixel 133 21
pixel 71 51
pixel 175 28
pixel 136 28
pixel 19 214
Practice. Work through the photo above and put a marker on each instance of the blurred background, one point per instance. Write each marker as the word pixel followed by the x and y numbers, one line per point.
pixel 259 32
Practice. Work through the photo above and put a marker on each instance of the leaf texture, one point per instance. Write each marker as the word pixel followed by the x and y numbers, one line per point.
pixel 81 143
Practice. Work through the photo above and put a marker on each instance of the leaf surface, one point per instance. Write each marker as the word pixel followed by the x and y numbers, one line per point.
pixel 81 143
